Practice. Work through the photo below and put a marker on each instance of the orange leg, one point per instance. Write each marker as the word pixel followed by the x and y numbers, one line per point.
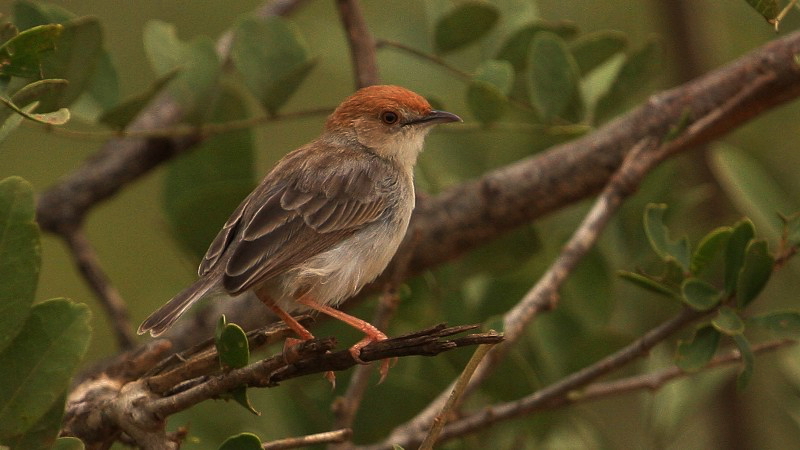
pixel 372 334
pixel 295 326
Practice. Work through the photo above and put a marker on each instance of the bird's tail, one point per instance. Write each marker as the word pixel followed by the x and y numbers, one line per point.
pixel 164 317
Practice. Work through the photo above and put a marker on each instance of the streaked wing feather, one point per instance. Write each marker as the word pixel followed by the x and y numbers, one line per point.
pixel 304 215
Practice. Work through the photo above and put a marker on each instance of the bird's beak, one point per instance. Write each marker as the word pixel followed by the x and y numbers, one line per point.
pixel 436 117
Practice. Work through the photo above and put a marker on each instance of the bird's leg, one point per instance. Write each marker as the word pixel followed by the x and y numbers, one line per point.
pixel 372 334
pixel 295 326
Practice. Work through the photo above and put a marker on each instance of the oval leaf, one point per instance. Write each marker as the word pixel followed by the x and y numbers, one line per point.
pixel 43 433
pixel 232 347
pixel 756 270
pixel 213 179
pixel 633 79
pixel 658 235
pixel 273 59
pixel 728 322
pixel 486 102
pixel 499 74
pixel 21 55
pixel 695 354
pixel 708 248
pixel 594 49
pixel 36 368
pixel 743 231
pixel 700 295
pixel 553 76
pixel 20 256
pixel 515 49
pixel 466 23
pixel 243 441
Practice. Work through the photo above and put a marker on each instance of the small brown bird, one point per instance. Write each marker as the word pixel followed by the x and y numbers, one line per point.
pixel 326 220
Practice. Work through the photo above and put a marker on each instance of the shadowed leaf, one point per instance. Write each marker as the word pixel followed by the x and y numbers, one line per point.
pixel 728 322
pixel 243 441
pixel 20 256
pixel 515 48
pixel 273 59
pixel 756 271
pixel 658 236
pixel 36 367
pixel 743 231
pixel 708 247
pixel 466 23
pixel 553 76
pixel 693 355
pixel 700 295
pixel 593 49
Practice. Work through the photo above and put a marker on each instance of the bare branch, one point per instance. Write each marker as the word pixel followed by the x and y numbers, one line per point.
pixel 547 398
pixel 103 405
pixel 328 437
pixel 117 310
pixel 362 44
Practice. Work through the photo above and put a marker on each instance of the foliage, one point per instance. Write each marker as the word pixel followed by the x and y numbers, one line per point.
pixel 516 72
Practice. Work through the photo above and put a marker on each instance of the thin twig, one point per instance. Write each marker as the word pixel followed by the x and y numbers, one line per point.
pixel 110 299
pixel 328 437
pixel 559 394
pixel 362 44
pixel 453 402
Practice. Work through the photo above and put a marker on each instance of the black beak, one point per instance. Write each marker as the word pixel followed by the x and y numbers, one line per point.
pixel 436 117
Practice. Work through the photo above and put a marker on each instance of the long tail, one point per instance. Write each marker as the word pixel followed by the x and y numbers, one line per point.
pixel 164 317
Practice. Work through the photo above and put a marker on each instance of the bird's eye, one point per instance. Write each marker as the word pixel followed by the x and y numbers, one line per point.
pixel 389 117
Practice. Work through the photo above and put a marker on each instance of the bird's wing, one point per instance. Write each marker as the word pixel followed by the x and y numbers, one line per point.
pixel 294 215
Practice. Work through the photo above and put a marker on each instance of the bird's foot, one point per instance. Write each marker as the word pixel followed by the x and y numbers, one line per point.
pixel 355 352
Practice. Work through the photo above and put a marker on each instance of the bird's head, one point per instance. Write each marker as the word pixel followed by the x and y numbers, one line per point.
pixel 390 120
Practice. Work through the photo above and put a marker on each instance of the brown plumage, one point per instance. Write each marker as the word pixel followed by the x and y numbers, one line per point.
pixel 326 220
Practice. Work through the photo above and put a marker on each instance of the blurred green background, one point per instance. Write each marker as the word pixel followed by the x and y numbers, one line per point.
pixel 598 312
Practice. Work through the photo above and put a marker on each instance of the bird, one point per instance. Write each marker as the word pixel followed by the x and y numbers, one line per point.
pixel 325 221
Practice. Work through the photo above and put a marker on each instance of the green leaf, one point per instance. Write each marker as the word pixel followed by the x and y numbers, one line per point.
pixel 515 49
pixel 197 84
pixel 693 355
pixel 43 433
pixel 243 441
pixel 499 74
pixel 784 322
pixel 768 9
pixel 748 361
pixel 553 76
pixel 751 188
pixel 68 443
pixel 28 14
pixel 21 56
pixel 232 347
pixel 647 282
pixel 36 368
pixel 632 80
pixel 708 247
pixel 273 59
pixel 486 102
pixel 728 322
pixel 756 270
pixel 743 232
pixel 20 256
pixel 121 115
pixel 658 235
pixel 101 93
pixel 212 179
pixel 239 395
pixel 593 49
pixel 75 59
pixel 59 117
pixel 700 295
pixel 468 22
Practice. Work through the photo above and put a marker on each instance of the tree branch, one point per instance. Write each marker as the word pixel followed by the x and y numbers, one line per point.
pixel 362 44
pixel 107 403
